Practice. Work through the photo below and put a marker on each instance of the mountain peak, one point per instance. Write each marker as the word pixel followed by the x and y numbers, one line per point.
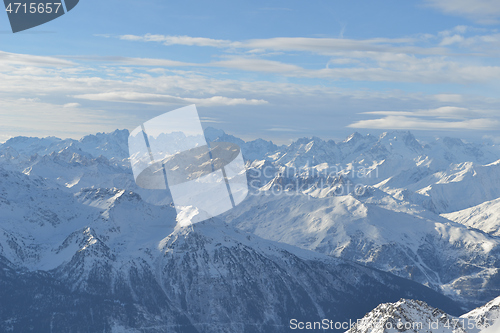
pixel 406 315
pixel 396 134
pixel 487 314
pixel 117 135
pixel 453 142
pixel 211 134
pixel 404 138
pixel 354 137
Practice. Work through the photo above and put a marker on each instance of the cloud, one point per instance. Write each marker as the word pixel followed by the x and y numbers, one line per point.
pixel 175 85
pixel 133 61
pixel 4 137
pixel 495 140
pixel 376 59
pixel 71 105
pixel 316 104
pixel 32 60
pixel 447 98
pixel 452 40
pixel 160 99
pixel 35 118
pixel 480 11
pixel 324 46
pixel 442 118
pixel 413 123
pixel 259 65
pixel 485 42
pixel 180 40
pixel 281 129
pixel 450 112
pixel 195 85
pixel 331 46
pixel 453 112
pixel 375 67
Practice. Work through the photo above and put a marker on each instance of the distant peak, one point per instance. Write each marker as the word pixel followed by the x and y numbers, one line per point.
pixel 30 139
pixel 354 137
pixel 121 132
pixel 304 140
pixel 396 134
pixel 451 142
pixel 213 133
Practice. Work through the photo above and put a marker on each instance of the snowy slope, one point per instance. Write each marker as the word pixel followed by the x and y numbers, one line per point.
pixel 383 232
pixel 412 317
pixel 72 218
pixel 487 314
pixel 485 217
pixel 399 146
pixel 113 146
pixel 436 174
pixel 77 170
pixel 460 186
pixel 136 261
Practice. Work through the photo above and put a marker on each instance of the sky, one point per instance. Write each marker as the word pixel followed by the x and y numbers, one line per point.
pixel 277 70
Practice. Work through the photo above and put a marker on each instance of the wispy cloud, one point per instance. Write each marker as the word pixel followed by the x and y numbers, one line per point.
pixel 180 40
pixel 439 45
pixel 132 61
pixel 288 81
pixel 281 129
pixel 492 138
pixel 159 99
pixel 412 123
pixel 442 118
pixel 7 58
pixel 480 11
pixel 449 98
pixel 421 58
pixel 4 137
pixel 260 65
pixel 71 105
pixel 365 67
pixel 331 46
pixel 324 46
pixel 39 118
pixel 451 112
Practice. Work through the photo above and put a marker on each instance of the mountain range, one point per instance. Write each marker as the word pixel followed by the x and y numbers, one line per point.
pixel 329 230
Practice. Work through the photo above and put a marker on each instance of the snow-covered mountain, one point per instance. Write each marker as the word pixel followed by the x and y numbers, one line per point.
pixel 486 315
pixel 252 150
pixel 485 217
pixel 306 244
pixel 392 149
pixel 112 146
pixel 460 186
pixel 415 316
pixel 380 231
pixel 434 175
pixel 137 267
pixel 408 316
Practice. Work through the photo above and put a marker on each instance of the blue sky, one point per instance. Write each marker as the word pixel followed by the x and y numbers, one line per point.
pixel 272 69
